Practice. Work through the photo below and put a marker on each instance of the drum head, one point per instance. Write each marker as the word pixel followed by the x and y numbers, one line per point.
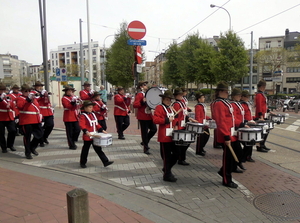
pixel 152 97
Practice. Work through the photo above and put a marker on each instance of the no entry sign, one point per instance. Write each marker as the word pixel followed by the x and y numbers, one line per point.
pixel 136 30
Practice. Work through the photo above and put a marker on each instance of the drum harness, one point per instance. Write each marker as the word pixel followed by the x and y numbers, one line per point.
pixel 205 109
pixel 93 123
pixel 123 109
pixel 229 107
pixel 241 109
pixel 184 109
pixel 169 114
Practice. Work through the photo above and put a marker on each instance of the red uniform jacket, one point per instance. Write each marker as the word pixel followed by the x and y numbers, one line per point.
pixel 177 105
pixel 121 105
pixel 142 107
pixel 7 112
pixel 222 113
pixel 247 109
pixel 100 109
pixel 160 117
pixel 29 111
pixel 44 102
pixel 85 95
pixel 89 122
pixel 71 109
pixel 261 105
pixel 200 113
pixel 13 97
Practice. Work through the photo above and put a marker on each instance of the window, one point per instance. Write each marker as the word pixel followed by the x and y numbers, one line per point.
pixel 279 43
pixel 68 61
pixel 268 44
pixel 52 55
pixel 292 79
pixel 56 63
pixel 94 52
pixel 56 55
pixel 67 54
pixel 83 52
pixel 95 45
pixel 94 59
pixel 293 69
pixel 52 62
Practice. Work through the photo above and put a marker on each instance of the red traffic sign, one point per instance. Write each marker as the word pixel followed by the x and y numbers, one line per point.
pixel 139 58
pixel 136 30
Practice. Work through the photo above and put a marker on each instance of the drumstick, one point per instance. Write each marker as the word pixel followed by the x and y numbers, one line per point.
pixel 176 113
pixel 206 132
pixel 233 154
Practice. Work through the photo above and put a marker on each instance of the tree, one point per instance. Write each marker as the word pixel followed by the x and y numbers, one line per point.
pixel 120 59
pixel 232 59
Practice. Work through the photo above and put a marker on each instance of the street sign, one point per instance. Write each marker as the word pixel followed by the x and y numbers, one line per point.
pixel 64 83
pixel 139 58
pixel 135 42
pixel 57 71
pixel 63 71
pixel 58 79
pixel 64 78
pixel 136 30
pixel 139 68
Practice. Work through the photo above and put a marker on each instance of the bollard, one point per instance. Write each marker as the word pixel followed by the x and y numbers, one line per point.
pixel 78 206
pixel 296 107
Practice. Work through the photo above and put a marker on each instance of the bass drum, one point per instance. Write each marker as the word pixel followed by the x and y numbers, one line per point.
pixel 152 97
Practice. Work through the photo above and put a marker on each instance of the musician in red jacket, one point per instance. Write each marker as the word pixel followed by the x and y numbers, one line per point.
pixel 30 120
pixel 7 117
pixel 100 110
pixel 239 122
pixel 201 117
pixel 261 110
pixel 164 117
pixel 181 110
pixel 89 124
pixel 46 110
pixel 15 92
pixel 87 93
pixel 222 112
pixel 247 150
pixel 71 104
pixel 121 111
pixel 148 128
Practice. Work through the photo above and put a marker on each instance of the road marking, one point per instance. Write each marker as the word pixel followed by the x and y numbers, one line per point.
pixel 294 126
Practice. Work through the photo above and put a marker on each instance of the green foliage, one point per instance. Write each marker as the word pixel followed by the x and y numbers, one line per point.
pixel 206 91
pixel 120 59
pixel 232 60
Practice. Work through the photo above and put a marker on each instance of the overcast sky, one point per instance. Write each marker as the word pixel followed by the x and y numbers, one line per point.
pixel 165 20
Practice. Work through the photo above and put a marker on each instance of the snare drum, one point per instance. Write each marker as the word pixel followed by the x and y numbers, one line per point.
pixel 278 119
pixel 104 140
pixel 191 115
pixel 261 126
pixel 152 97
pixel 195 127
pixel 250 135
pixel 269 123
pixel 212 124
pixel 183 137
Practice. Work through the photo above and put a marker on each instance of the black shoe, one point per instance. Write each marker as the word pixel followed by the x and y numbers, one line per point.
pixel 142 143
pixel 42 144
pixel 147 152
pixel 266 148
pixel 238 171
pixel 46 141
pixel 250 160
pixel 218 147
pixel 4 150
pixel 82 165
pixel 231 185
pixel 121 137
pixel 183 163
pixel 73 147
pixel 201 153
pixel 28 157
pixel 220 173
pixel 240 165
pixel 34 152
pixel 108 163
pixel 260 149
pixel 12 148
pixel 17 134
pixel 170 179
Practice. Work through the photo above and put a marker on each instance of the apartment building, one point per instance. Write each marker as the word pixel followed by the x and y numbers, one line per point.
pixel 68 56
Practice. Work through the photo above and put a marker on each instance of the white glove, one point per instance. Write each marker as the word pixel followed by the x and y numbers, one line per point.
pixel 16 120
pixel 3 96
pixel 43 92
pixel 92 91
pixel 74 99
pixel 103 106
pixel 43 123
pixel 31 95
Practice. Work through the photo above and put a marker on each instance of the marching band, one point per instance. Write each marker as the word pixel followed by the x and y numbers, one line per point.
pixel 235 129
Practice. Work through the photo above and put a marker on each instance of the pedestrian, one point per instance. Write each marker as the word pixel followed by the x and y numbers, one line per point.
pixel 247 150
pixel 71 104
pixel 222 113
pixel 121 112
pixel 144 116
pixel 46 110
pixel 7 120
pixel 15 93
pixel 103 93
pixel 87 93
pixel 89 125
pixel 201 117
pixel 30 120
pixel 100 110
pixel 181 110
pixel 164 117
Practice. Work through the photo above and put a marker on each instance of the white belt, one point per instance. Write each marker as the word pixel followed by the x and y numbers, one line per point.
pixel 123 109
pixel 5 110
pixel 29 112
pixel 45 107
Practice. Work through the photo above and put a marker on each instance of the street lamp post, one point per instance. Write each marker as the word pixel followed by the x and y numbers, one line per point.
pixel 213 6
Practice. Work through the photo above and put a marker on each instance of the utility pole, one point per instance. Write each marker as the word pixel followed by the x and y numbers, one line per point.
pixel 251 65
pixel 82 74
pixel 89 46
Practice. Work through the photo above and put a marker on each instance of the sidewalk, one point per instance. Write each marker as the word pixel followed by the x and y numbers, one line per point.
pixel 132 189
